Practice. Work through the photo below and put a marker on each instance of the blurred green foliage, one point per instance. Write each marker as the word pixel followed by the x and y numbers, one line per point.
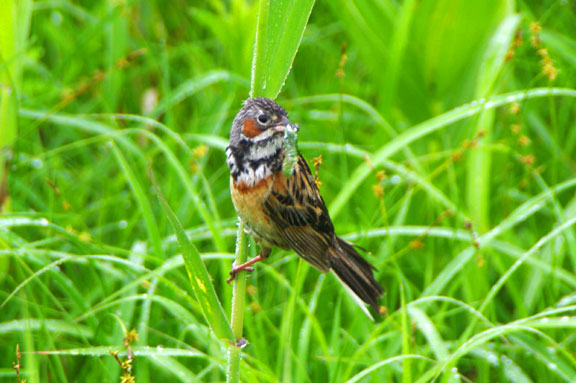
pixel 465 198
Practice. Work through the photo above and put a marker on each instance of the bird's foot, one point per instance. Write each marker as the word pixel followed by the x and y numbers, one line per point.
pixel 235 270
pixel 245 266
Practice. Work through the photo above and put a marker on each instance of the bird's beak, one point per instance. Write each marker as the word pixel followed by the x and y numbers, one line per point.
pixel 279 128
pixel 282 125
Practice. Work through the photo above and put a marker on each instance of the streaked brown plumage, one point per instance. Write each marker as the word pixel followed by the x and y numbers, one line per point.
pixel 287 212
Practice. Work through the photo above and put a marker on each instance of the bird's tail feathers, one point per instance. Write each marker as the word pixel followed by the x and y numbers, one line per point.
pixel 355 272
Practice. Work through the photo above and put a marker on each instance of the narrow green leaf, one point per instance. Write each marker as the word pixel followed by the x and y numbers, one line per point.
pixel 8 116
pixel 495 55
pixel 8 96
pixel 480 159
pixel 513 373
pixel 400 358
pixel 198 275
pixel 429 330
pixel 14 24
pixel 479 164
pixel 142 200
pixel 193 86
pixel 177 369
pixel 136 351
pixel 281 25
pixel 53 325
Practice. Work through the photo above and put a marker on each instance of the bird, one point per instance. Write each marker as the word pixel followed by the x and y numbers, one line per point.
pixel 283 211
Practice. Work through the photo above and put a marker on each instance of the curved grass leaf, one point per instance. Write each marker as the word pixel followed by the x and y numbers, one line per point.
pixel 136 351
pixel 53 325
pixel 423 129
pixel 199 277
pixel 522 213
pixel 480 159
pixel 193 86
pixel 143 201
pixel 513 373
pixel 396 359
pixel 526 325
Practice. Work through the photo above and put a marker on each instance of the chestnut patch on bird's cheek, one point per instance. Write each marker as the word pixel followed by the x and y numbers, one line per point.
pixel 250 128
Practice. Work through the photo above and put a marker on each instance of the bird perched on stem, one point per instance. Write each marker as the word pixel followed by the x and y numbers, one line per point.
pixel 287 211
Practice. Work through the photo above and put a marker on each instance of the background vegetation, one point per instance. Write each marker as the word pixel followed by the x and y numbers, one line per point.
pixel 447 135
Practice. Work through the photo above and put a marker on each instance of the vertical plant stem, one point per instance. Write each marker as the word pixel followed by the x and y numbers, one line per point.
pixel 281 25
pixel 238 299
pixel 406 336
pixel 233 368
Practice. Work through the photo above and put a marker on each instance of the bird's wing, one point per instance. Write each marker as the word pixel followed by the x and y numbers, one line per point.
pixel 298 210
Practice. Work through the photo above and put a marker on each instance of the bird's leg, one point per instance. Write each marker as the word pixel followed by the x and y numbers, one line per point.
pixel 264 253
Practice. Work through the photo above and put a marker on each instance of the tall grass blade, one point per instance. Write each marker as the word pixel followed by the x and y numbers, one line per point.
pixel 281 25
pixel 143 202
pixel 198 276
pixel 479 163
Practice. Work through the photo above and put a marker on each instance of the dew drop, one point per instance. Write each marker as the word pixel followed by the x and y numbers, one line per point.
pixel 510 99
pixel 56 18
pixel 492 359
pixel 37 163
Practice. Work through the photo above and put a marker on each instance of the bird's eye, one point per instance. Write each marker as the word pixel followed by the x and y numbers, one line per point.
pixel 263 118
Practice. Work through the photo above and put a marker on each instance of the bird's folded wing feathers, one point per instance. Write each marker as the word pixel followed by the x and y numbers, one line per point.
pixel 299 212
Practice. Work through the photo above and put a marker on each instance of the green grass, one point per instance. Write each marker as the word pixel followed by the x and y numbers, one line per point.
pixel 448 158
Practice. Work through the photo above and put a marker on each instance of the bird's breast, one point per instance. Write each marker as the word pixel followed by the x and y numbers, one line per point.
pixel 249 202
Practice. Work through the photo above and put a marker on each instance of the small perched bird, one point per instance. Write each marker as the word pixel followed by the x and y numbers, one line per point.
pixel 286 212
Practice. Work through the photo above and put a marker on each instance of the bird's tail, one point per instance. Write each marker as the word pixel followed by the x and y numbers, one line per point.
pixel 355 272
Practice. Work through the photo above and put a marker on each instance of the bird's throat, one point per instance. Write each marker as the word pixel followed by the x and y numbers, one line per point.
pixel 252 162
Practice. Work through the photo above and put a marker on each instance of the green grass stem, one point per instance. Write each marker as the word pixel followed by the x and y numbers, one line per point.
pixel 238 308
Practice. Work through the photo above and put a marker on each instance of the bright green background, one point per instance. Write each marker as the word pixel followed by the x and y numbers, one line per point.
pixel 470 226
